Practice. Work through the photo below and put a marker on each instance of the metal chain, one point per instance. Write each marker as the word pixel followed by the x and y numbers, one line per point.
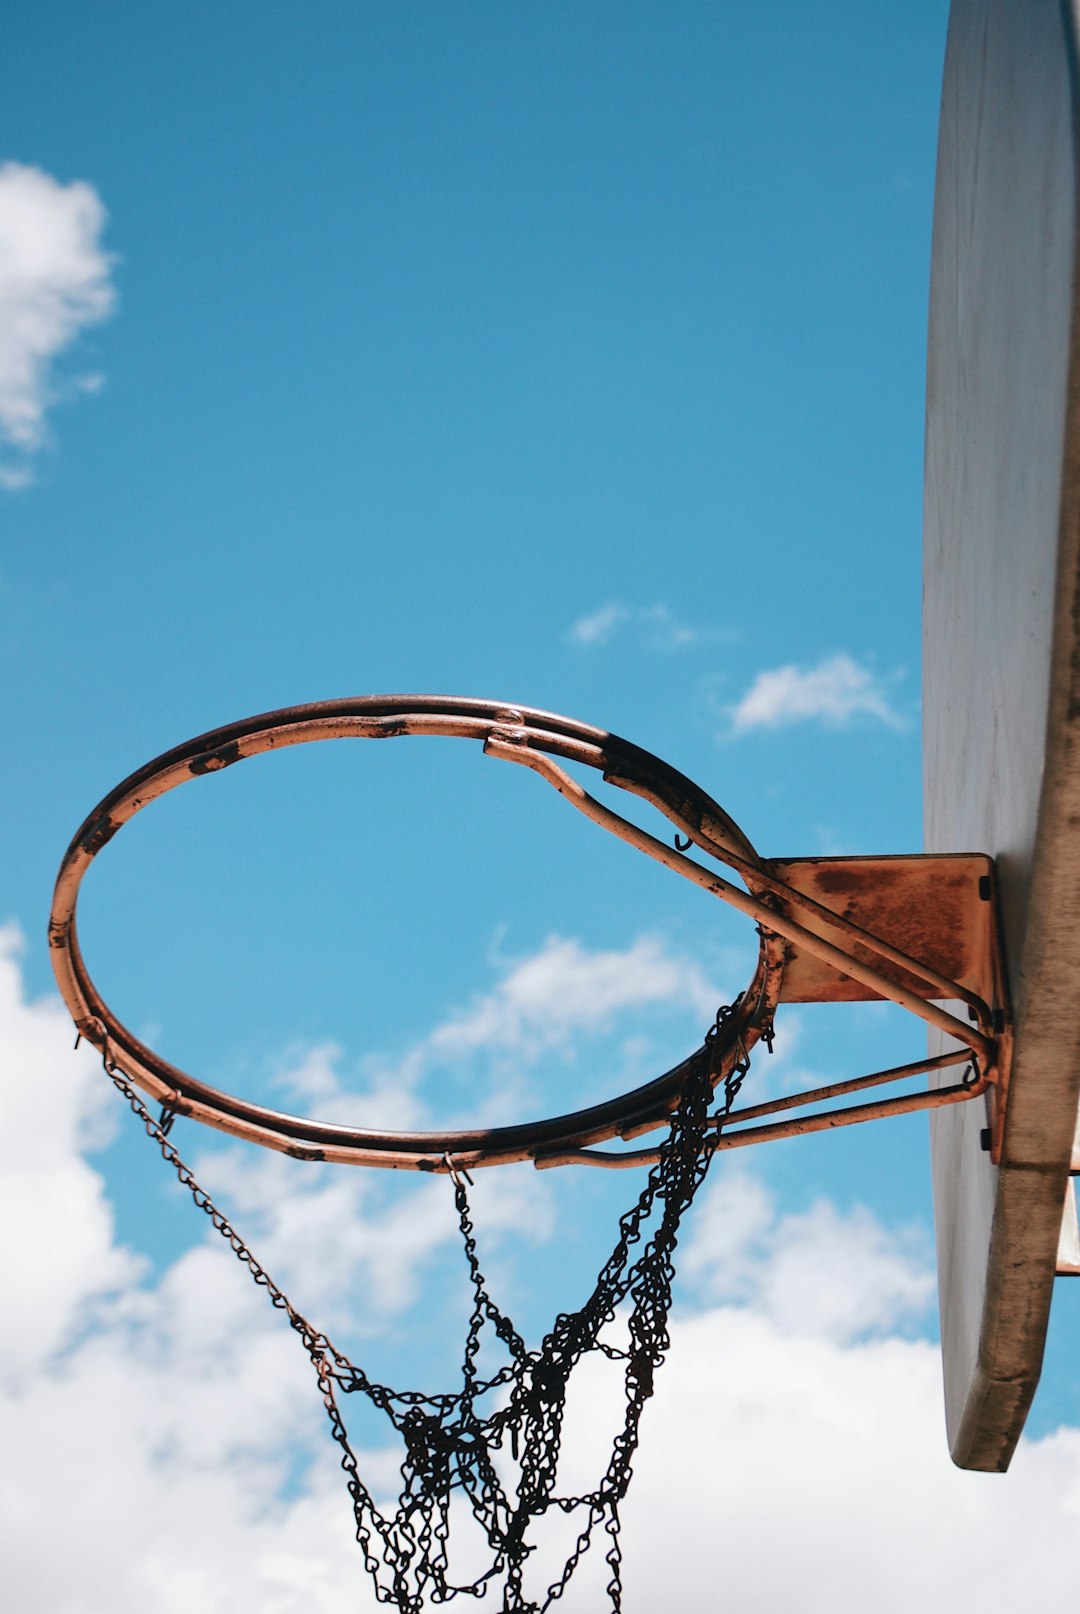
pixel 450 1443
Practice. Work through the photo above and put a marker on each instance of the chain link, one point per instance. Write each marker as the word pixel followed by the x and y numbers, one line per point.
pixel 450 1444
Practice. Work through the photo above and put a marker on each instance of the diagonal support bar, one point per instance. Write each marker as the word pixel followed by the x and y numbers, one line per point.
pixel 978 1039
pixel 733 1135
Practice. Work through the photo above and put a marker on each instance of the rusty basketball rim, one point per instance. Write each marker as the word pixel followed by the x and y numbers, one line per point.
pixel 536 738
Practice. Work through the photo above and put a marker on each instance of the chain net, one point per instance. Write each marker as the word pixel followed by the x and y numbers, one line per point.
pixel 502 1458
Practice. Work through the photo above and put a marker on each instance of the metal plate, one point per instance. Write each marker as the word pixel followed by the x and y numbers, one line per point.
pixel 1001 668
pixel 936 909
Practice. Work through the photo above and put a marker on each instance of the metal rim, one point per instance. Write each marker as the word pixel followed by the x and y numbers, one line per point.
pixel 383 717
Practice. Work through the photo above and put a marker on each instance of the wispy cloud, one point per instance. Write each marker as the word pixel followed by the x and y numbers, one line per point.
pixel 54 284
pixel 656 626
pixel 836 692
pixel 598 627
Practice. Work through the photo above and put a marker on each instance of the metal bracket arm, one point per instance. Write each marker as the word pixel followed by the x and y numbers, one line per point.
pixel 798 1126
pixel 853 962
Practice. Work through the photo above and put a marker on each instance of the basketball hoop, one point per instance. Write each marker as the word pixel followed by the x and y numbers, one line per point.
pixel 921 932
pixel 850 959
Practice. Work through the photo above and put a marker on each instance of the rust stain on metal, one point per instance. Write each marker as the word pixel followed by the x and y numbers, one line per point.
pixel 214 761
pixel 930 908
pixel 93 1030
pixel 98 834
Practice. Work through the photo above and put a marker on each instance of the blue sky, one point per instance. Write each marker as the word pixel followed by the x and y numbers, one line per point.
pixel 566 354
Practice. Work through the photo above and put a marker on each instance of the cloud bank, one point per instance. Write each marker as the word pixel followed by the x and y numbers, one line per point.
pixel 166 1430
pixel 54 284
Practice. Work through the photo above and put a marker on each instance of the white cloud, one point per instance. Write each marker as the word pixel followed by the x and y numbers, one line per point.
pixel 836 692
pixel 13 477
pixel 332 1233
pixel 171 1430
pixel 817 1273
pixel 323 1229
pixel 785 1454
pixel 567 988
pixel 58 1225
pixel 548 1005
pixel 54 283
pixel 804 1473
pixel 597 628
pixel 345 1250
pixel 314 1077
pixel 656 626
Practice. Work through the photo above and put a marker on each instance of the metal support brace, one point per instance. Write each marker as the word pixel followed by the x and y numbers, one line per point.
pixel 949 902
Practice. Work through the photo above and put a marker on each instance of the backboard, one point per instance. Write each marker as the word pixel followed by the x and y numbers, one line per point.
pixel 1001 671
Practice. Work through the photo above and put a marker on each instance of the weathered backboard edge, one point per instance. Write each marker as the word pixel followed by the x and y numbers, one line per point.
pixel 1001 667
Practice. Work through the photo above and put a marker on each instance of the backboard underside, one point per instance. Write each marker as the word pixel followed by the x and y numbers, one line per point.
pixel 1001 668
